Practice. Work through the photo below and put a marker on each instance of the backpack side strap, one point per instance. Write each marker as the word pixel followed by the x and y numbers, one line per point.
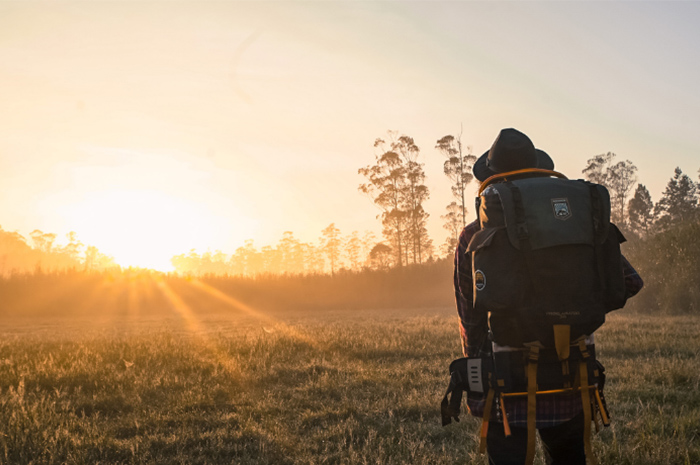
pixel 586 402
pixel 485 421
pixel 533 357
pixel 450 405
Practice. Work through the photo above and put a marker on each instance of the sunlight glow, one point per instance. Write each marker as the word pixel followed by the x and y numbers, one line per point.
pixel 141 228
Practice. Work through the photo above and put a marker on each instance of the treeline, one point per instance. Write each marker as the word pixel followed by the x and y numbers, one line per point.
pixel 17 256
pixel 669 264
pixel 333 252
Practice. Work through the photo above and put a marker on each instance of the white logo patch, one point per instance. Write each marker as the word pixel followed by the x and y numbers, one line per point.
pixel 561 208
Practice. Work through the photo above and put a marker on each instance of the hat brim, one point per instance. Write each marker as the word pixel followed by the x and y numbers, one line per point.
pixel 482 172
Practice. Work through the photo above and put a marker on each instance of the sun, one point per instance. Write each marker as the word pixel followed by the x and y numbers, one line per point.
pixel 143 228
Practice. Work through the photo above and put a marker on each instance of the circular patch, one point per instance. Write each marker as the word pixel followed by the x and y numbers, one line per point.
pixel 479 280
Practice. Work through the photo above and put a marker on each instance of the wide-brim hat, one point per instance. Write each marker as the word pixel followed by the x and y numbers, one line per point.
pixel 512 150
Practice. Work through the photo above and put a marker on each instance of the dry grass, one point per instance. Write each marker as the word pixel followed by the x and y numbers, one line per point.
pixel 346 388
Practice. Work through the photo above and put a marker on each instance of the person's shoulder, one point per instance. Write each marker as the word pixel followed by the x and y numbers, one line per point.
pixel 471 228
pixel 468 232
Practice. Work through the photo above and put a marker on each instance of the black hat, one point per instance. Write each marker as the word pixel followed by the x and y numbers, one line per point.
pixel 512 150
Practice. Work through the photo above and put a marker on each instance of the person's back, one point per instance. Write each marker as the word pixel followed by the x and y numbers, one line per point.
pixel 534 277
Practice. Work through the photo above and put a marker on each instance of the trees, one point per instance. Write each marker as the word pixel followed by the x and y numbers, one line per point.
pixel 458 169
pixel 678 202
pixel 619 178
pixel 330 244
pixel 386 183
pixel 641 211
pixel 314 262
pixel 396 184
pixel 74 246
pixel 353 251
pixel 43 241
pixel 246 260
pixel 622 179
pixel 96 260
pixel 597 169
pixel 369 240
pixel 380 256
pixel 413 196
pixel 454 223
pixel 290 254
pixel 15 254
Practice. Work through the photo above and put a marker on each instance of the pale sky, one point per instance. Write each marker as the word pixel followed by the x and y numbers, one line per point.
pixel 198 125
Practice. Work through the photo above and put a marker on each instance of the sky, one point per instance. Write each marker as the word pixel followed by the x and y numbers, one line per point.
pixel 151 128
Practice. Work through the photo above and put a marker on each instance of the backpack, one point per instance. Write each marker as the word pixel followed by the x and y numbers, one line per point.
pixel 546 255
pixel 546 269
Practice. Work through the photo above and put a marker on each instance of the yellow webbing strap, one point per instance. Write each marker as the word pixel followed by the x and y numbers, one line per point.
pixel 586 401
pixel 485 421
pixel 542 393
pixel 562 340
pixel 603 415
pixel 506 426
pixel 531 403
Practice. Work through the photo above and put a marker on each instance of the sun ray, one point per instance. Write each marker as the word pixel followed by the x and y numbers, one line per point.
pixel 237 304
pixel 217 354
pixel 179 305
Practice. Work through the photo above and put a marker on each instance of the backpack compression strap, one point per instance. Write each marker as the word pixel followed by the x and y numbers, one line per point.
pixel 586 402
pixel 485 421
pixel 532 401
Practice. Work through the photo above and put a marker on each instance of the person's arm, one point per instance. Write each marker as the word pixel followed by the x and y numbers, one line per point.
pixel 633 282
pixel 473 327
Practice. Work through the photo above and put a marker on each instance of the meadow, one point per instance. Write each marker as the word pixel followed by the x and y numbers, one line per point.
pixel 293 387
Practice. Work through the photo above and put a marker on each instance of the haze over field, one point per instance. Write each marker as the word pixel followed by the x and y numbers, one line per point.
pixel 153 128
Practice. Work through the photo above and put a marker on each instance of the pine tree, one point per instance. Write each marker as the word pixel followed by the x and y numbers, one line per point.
pixel 678 202
pixel 641 211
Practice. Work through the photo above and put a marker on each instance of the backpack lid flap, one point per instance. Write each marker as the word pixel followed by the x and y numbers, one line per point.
pixel 556 212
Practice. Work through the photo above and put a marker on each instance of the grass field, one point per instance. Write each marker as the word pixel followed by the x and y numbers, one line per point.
pixel 338 388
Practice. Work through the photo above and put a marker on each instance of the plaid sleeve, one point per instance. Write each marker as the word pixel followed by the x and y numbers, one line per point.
pixel 473 326
pixel 633 282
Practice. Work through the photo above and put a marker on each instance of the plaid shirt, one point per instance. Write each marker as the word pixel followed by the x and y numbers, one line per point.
pixel 551 410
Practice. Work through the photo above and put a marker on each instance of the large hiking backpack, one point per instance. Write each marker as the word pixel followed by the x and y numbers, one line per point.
pixel 546 268
pixel 546 255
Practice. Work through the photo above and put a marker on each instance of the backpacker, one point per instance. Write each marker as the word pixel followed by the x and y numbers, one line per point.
pixel 546 268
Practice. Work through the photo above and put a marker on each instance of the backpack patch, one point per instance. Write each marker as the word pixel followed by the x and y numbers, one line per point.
pixel 561 208
pixel 479 280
